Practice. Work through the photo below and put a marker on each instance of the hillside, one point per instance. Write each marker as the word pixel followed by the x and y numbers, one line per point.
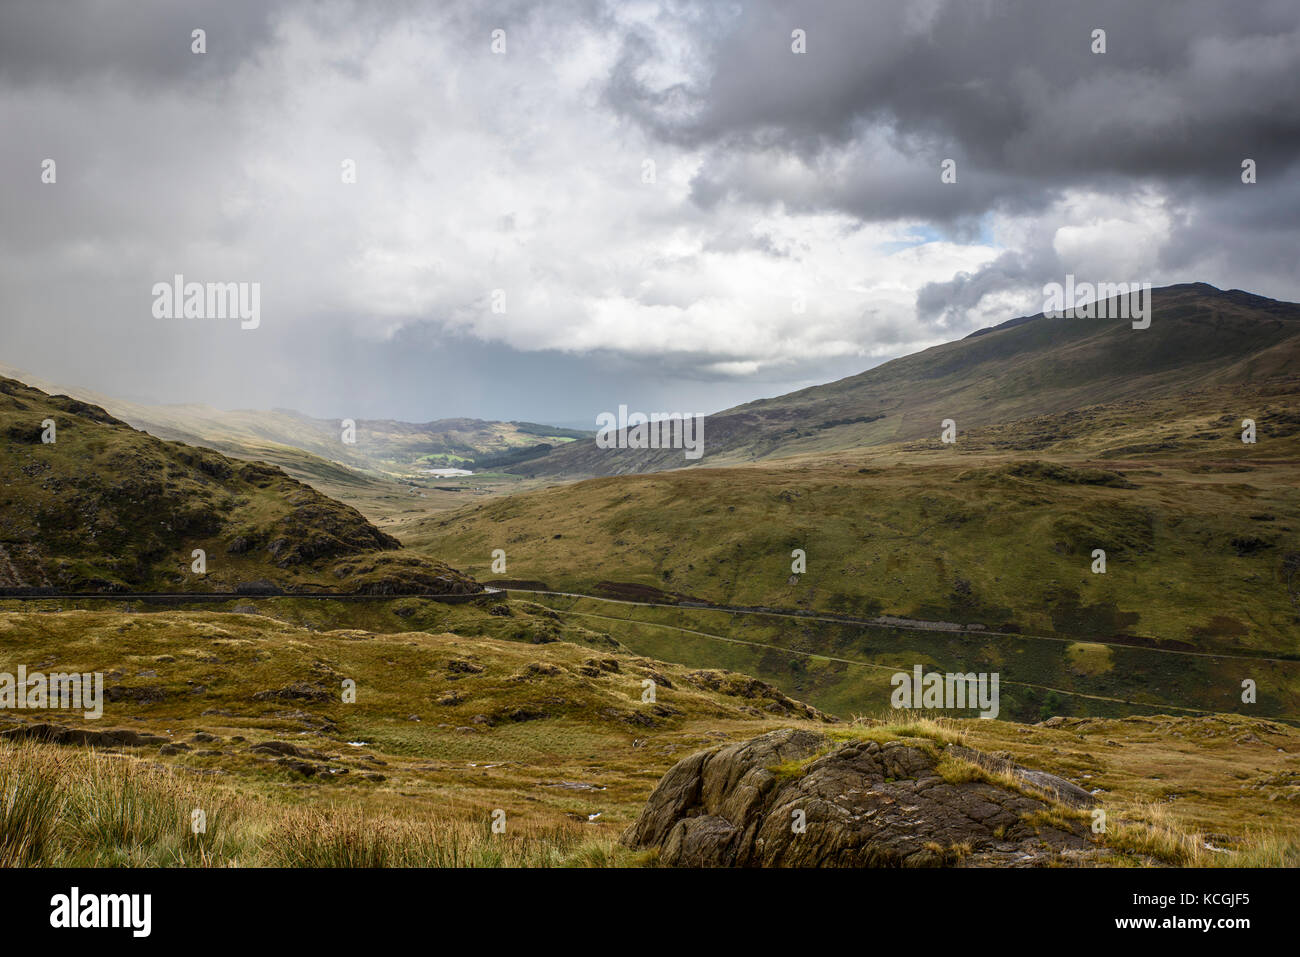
pixel 384 448
pixel 1201 340
pixel 1200 554
pixel 444 729
pixel 1073 436
pixel 104 507
pixel 950 553
pixel 240 715
pixel 312 449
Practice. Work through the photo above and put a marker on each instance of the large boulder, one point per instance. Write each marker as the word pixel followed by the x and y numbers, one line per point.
pixel 906 802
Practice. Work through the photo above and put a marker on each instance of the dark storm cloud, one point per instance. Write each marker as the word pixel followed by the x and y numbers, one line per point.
pixel 143 42
pixel 1014 94
pixel 946 303
pixel 1011 87
pixel 1252 233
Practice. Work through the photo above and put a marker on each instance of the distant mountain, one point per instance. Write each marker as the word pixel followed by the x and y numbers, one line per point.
pixel 87 503
pixel 383 447
pixel 1078 440
pixel 1200 339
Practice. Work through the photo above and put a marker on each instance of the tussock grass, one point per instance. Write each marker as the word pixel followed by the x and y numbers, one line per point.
pixel 1151 832
pixel 1060 816
pixel 347 838
pixel 125 812
pixel 60 808
pixel 900 724
pixel 63 808
pixel 32 796
pixel 1262 849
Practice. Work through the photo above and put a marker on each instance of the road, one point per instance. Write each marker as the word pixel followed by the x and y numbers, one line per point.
pixel 898 623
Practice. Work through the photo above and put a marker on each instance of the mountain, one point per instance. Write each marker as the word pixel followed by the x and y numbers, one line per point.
pixel 90 504
pixel 381 447
pixel 314 449
pixel 1074 437
pixel 1201 341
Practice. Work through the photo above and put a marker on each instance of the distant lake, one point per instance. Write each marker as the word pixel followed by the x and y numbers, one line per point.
pixel 448 473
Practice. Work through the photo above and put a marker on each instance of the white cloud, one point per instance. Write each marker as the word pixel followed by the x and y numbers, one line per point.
pixel 479 172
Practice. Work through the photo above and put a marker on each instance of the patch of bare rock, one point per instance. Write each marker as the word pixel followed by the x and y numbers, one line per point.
pixel 862 803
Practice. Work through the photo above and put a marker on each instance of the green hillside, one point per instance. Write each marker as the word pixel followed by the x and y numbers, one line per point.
pixel 104 507
pixel 1200 340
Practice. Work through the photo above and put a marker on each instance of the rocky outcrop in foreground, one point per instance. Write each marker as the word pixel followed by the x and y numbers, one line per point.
pixel 863 804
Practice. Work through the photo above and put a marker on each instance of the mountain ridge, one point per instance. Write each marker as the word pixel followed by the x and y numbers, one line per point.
pixel 1201 338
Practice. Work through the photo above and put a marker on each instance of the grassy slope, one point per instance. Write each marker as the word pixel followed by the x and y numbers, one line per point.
pixel 384 501
pixel 1200 533
pixel 312 449
pixel 1200 340
pixel 555 714
pixel 461 723
pixel 108 508
pixel 1198 553
pixel 846 669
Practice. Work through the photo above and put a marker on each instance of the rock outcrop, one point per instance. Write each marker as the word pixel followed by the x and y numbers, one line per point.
pixel 796 798
pixel 58 734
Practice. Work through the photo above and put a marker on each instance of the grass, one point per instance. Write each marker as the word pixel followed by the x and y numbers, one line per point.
pixel 569 782
pixel 911 727
pixel 847 669
pixel 900 724
pixel 30 805
pixel 1150 832
pixel 106 508
pixel 1195 560
pixel 1172 782
pixel 348 838
pixel 83 809
pixel 1265 849
pixel 555 734
pixel 70 809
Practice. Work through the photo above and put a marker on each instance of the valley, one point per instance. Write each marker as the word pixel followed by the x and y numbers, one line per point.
pixel 828 541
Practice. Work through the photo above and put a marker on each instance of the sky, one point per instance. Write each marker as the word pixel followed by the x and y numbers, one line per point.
pixel 560 207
